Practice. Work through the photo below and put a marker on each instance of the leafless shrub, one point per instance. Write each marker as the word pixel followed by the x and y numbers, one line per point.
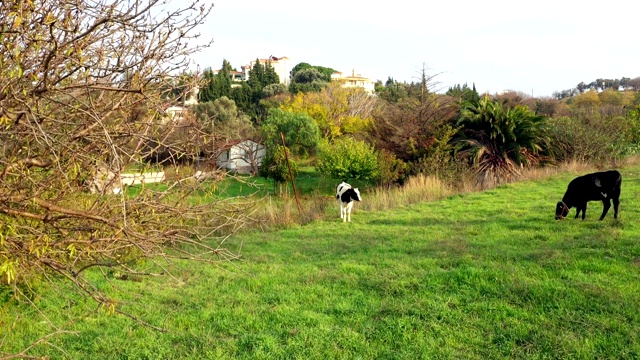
pixel 82 84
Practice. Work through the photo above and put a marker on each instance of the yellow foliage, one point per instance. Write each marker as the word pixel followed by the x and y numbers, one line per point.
pixel 586 99
pixel 308 104
pixel 336 110
pixel 611 97
pixel 354 124
pixel 617 98
pixel 8 269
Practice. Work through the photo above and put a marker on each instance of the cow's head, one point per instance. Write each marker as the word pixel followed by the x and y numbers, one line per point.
pixel 562 210
pixel 357 198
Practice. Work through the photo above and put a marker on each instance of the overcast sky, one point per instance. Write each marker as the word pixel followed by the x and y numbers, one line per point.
pixel 536 47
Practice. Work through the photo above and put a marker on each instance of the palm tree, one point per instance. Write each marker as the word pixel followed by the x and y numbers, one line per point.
pixel 500 141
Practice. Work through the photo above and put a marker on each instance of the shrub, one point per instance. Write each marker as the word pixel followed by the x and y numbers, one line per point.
pixel 590 139
pixel 499 140
pixel 391 170
pixel 347 158
pixel 274 165
pixel 441 159
pixel 300 131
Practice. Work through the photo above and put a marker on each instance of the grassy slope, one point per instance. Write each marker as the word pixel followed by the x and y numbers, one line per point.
pixel 485 275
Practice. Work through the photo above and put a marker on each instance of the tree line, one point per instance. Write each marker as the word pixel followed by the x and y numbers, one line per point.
pixel 409 129
pixel 625 83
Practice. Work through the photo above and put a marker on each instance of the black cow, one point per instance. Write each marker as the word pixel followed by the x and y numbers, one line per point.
pixel 603 186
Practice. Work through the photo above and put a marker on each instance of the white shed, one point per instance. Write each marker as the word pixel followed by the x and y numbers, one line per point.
pixel 242 157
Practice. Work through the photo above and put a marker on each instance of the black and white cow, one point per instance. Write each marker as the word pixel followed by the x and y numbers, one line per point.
pixel 600 186
pixel 346 195
pixel 339 191
pixel 342 188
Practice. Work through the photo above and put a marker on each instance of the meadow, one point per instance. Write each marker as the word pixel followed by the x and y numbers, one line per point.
pixel 477 275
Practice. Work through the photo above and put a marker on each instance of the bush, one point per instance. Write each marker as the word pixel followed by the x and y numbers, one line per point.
pixel 442 160
pixel 347 158
pixel 300 131
pixel 391 170
pixel 274 165
pixel 499 140
pixel 590 138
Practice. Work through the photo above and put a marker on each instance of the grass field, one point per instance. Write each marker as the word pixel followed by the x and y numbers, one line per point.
pixel 477 276
pixel 308 183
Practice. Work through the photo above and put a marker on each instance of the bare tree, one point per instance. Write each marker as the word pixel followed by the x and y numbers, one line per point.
pixel 83 83
pixel 408 128
pixel 250 155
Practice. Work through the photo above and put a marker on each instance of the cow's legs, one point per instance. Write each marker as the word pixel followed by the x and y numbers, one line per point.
pixel 345 212
pixel 606 204
pixel 616 204
pixel 348 211
pixel 341 210
pixel 581 207
pixel 616 201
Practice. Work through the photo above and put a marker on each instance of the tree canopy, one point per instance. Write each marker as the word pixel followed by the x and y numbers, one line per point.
pixel 326 72
pixel 300 131
pixel 223 121
pixel 337 110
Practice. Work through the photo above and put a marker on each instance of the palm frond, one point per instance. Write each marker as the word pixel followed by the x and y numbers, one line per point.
pixel 498 140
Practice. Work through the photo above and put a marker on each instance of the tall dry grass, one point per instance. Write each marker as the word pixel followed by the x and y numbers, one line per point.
pixel 281 212
pixel 576 167
pixel 416 189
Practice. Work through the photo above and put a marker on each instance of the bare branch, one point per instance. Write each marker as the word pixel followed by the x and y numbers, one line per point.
pixel 83 92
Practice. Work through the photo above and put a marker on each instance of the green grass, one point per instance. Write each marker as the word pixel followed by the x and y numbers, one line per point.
pixel 308 183
pixel 482 276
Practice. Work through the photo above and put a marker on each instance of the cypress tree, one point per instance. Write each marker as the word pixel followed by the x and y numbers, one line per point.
pixel 223 80
pixel 216 85
pixel 207 92
pixel 256 76
pixel 270 75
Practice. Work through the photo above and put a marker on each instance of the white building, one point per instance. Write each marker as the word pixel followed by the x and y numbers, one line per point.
pixel 236 77
pixel 242 157
pixel 280 64
pixel 191 98
pixel 355 80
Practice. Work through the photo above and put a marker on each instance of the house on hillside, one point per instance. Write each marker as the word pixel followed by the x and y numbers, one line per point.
pixel 242 157
pixel 176 113
pixel 354 80
pixel 280 65
pixel 236 77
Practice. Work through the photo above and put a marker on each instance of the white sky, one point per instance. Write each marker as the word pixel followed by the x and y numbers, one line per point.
pixel 531 46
